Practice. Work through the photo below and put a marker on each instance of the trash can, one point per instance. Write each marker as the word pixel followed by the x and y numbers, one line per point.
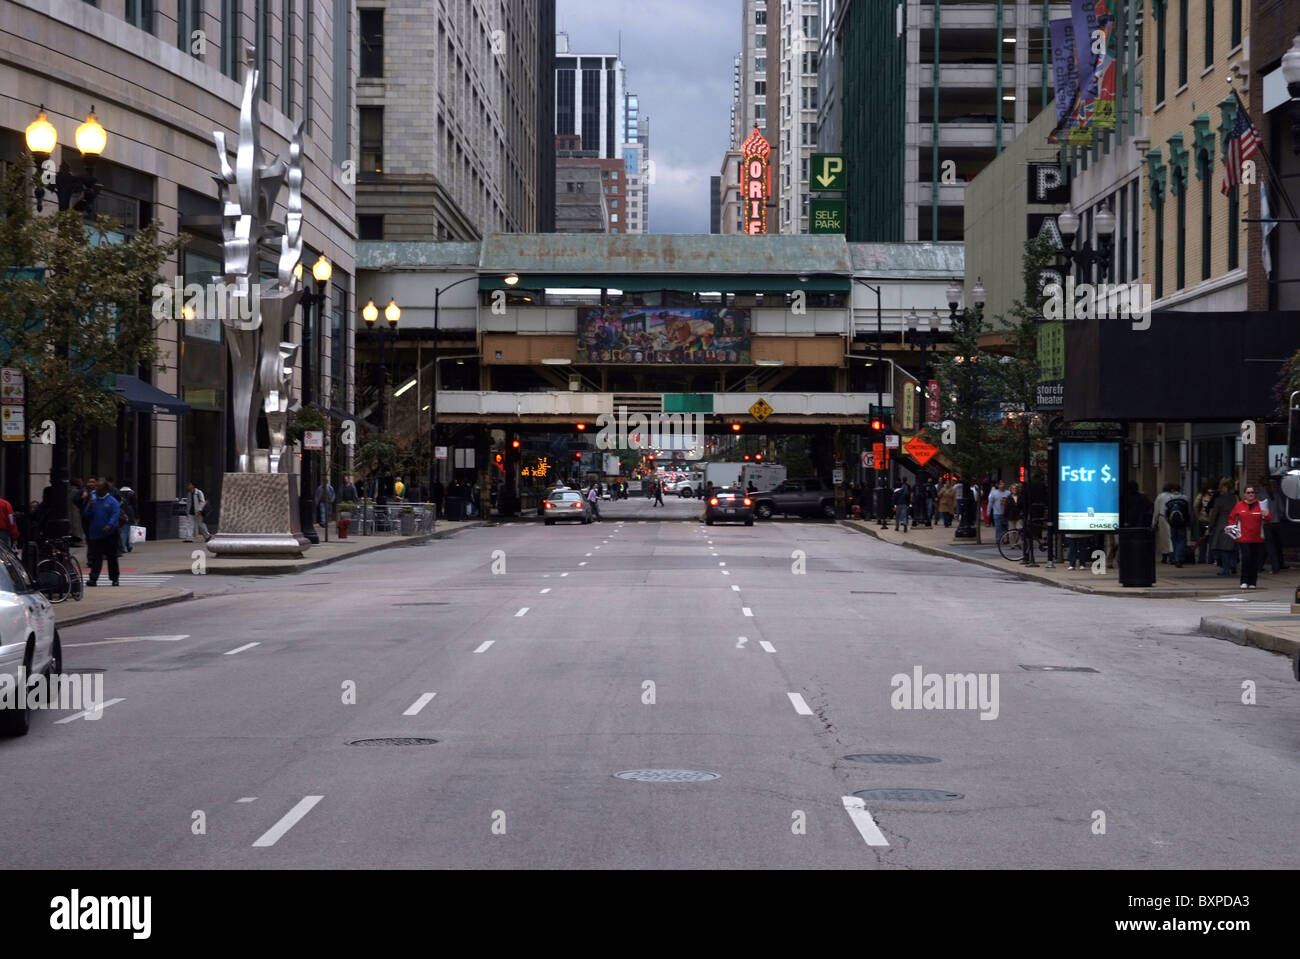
pixel 1137 556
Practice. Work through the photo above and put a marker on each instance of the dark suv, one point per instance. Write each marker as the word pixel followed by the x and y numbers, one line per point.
pixel 796 497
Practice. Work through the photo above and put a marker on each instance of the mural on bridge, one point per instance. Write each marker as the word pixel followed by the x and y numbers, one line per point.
pixel 663 335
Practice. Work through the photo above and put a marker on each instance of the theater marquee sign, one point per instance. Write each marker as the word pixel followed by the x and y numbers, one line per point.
pixel 755 182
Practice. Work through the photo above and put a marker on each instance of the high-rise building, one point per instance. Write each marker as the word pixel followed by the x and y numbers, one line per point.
pixel 590 98
pixel 159 95
pixel 452 151
pixel 715 204
pixel 920 140
pixel 731 212
pixel 751 108
pixel 635 150
pixel 736 118
pixel 576 189
pixel 800 39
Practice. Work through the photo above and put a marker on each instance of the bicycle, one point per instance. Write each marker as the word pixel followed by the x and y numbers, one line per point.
pixel 59 574
pixel 1012 546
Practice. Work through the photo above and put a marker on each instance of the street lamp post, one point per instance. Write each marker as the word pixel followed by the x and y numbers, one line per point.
pixel 962 320
pixel 392 313
pixel 1086 256
pixel 510 280
pixel 313 310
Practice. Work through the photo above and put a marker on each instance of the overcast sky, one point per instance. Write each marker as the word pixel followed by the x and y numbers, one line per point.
pixel 678 57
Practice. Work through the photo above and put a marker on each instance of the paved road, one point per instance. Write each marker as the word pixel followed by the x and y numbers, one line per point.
pixel 546 660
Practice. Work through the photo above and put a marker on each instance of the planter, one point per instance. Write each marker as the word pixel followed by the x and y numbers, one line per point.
pixel 408 524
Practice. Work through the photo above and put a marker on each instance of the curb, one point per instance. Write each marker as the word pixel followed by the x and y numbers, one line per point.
pixel 1016 570
pixel 394 543
pixel 136 606
pixel 1243 634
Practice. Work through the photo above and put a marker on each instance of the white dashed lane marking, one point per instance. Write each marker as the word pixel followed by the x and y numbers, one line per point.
pixel 767 647
pixel 290 819
pixel 800 706
pixel 419 704
pixel 486 644
pixel 866 826
pixel 240 649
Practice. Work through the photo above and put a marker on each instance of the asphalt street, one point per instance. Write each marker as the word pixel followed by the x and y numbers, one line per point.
pixel 546 660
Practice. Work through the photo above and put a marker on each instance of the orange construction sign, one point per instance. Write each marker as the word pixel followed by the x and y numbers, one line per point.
pixel 920 450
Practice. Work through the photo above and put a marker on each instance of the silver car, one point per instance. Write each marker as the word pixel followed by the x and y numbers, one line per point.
pixel 29 643
pixel 567 505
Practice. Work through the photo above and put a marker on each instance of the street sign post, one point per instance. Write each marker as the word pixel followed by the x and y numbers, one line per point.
pixel 826 216
pixel 313 439
pixel 828 171
pixel 868 460
pixel 837 477
pixel 12 419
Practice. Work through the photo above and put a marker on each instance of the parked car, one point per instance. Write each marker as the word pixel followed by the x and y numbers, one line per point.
pixel 29 643
pixel 807 496
pixel 684 488
pixel 567 505
pixel 729 506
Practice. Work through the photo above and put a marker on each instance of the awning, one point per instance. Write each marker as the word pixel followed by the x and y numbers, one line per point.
pixel 142 397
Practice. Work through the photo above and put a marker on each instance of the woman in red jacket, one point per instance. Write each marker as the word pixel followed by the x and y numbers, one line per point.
pixel 1251 541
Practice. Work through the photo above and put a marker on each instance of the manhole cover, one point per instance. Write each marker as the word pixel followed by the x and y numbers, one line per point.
pixel 394 741
pixel 666 775
pixel 907 795
pixel 901 758
pixel 1058 669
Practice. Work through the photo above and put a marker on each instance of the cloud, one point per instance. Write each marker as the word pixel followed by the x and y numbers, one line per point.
pixel 678 55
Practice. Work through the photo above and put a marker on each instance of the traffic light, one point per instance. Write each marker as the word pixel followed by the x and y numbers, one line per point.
pixel 514 443
pixel 577 456
pixel 1022 474
pixel 500 459
pixel 746 457
pixel 582 427
pixel 878 425
pixel 735 427
pixel 758 457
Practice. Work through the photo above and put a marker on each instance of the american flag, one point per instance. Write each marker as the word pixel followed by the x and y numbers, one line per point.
pixel 1242 144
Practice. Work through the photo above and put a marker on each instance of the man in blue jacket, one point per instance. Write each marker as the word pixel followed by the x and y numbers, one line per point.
pixel 101 534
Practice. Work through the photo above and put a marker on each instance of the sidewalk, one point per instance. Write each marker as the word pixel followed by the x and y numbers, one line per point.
pixel 151 575
pixel 1259 617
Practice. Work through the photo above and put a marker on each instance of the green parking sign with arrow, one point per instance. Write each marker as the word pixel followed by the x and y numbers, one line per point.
pixel 827 172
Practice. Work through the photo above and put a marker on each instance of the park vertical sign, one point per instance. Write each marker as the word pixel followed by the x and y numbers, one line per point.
pixel 755 182
pixel 13 398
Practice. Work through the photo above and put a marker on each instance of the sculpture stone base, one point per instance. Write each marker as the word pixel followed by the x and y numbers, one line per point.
pixel 259 516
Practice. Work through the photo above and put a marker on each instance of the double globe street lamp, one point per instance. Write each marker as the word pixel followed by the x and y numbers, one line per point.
pixel 1086 256
pixel 392 313
pixel 91 139
pixel 962 322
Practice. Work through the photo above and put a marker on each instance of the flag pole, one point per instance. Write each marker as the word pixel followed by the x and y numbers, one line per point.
pixel 1263 152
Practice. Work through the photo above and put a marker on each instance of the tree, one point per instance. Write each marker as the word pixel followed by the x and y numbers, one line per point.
pixel 75 308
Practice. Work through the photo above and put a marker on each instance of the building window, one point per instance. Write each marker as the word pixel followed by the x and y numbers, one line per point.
pixel 811 27
pixel 613 204
pixel 1160 57
pixel 341 126
pixel 262 40
pixel 372 43
pixel 1159 279
pixel 760 41
pixel 189 14
pixel 1135 210
pixel 760 112
pixel 810 98
pixel 760 88
pixel 760 64
pixel 1182 43
pixel 613 218
pixel 230 38
pixel 1209 32
pixel 370 227
pixel 760 17
pixel 372 139
pixel 139 13
pixel 1234 231
pixel 1180 225
pixel 1205 168
pixel 1236 23
pixel 1122 233
pixel 308 60
pixel 810 62
pixel 286 58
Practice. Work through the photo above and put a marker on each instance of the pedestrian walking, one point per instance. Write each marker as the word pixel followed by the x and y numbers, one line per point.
pixel 902 497
pixel 101 517
pixel 659 493
pixel 1012 507
pixel 76 503
pixel 593 497
pixel 1172 520
pixel 920 511
pixel 126 497
pixel 325 500
pixel 997 498
pixel 1250 518
pixel 8 525
pixel 197 504
pixel 1224 547
pixel 1271 502
pixel 349 492
pixel 947 503
pixel 1204 500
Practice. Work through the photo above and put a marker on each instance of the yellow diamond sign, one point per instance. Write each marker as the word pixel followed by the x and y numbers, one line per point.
pixel 760 410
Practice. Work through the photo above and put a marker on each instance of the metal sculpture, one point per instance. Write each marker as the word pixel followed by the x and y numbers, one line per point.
pixel 256 318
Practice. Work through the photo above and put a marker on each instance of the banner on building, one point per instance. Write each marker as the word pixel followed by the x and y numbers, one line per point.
pixel 1051 366
pixel 668 335
pixel 1086 71
pixel 1065 75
